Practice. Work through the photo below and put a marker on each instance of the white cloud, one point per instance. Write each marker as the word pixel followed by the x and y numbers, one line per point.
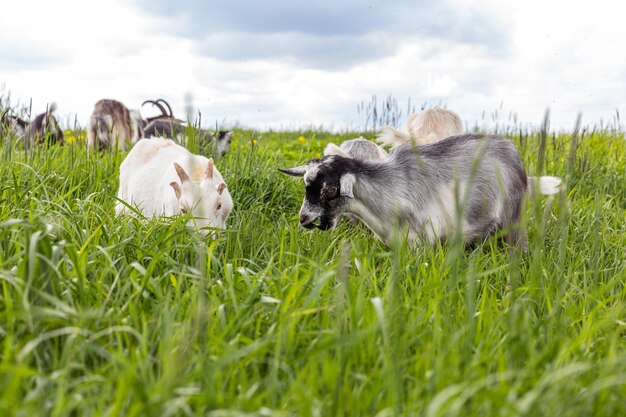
pixel 563 55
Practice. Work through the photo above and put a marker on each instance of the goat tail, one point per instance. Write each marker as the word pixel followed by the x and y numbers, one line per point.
pixel 544 185
pixel 52 107
pixel 392 136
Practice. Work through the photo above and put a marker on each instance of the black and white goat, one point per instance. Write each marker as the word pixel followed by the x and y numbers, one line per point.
pixel 111 125
pixel 12 126
pixel 43 128
pixel 468 183
pixel 219 141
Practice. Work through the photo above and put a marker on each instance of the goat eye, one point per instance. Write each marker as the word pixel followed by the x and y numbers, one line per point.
pixel 219 206
pixel 329 191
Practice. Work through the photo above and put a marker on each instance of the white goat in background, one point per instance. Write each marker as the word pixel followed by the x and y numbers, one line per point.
pixel 422 128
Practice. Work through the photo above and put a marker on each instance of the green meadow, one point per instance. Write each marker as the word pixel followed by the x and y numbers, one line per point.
pixel 122 316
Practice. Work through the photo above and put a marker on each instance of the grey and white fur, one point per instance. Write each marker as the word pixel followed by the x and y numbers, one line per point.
pixel 468 183
pixel 359 148
pixel 220 141
pixel 366 150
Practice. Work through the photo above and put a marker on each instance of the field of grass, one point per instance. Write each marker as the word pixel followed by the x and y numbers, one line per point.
pixel 116 316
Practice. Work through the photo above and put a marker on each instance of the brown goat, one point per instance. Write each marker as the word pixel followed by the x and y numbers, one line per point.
pixel 111 124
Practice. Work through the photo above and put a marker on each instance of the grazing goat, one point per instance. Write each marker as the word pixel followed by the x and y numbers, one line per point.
pixel 164 128
pixel 164 179
pixel 111 124
pixel 43 128
pixel 469 183
pixel 220 141
pixel 422 128
pixel 364 150
pixel 164 124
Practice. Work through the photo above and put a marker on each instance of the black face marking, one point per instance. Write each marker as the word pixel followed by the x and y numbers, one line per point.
pixel 323 203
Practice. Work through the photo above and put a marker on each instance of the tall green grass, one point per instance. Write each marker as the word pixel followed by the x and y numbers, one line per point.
pixel 111 316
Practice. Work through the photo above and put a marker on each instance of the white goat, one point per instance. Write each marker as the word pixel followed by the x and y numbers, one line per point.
pixel 471 183
pixel 111 124
pixel 164 179
pixel 422 128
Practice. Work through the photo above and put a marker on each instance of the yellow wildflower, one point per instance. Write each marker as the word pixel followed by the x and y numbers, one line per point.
pixel 70 139
pixel 301 139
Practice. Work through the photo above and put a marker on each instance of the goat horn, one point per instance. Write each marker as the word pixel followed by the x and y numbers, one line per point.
pixel 168 106
pixel 298 171
pixel 156 103
pixel 181 173
pixel 209 170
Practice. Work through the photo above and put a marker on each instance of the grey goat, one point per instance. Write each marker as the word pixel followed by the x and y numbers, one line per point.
pixel 165 124
pixel 470 183
pixel 359 148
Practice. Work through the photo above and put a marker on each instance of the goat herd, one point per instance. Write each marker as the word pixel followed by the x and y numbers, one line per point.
pixel 435 181
pixel 111 126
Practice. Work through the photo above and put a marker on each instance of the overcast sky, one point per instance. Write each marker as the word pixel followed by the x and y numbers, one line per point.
pixel 292 64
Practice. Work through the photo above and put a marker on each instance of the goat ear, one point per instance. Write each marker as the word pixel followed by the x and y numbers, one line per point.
pixel 181 173
pixel 346 184
pixel 221 187
pixel 176 188
pixel 294 172
pixel 209 170
pixel 332 149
